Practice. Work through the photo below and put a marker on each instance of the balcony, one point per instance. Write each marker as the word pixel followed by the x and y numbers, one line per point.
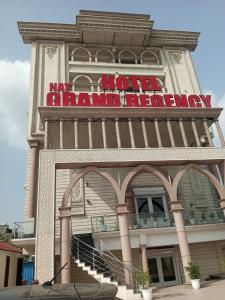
pixel 158 220
pixel 24 230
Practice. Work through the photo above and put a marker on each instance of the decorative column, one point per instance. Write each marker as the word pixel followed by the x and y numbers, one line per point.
pixel 131 133
pixel 207 132
pixel 104 133
pixel 122 213
pixel 65 242
pixel 46 135
pixel 170 133
pixel 176 208
pixel 144 258
pixel 219 131
pixel 61 134
pixel 158 132
pixel 195 132
pixel 32 188
pixel 184 137
pixel 144 133
pixel 117 133
pixel 90 133
pixel 76 133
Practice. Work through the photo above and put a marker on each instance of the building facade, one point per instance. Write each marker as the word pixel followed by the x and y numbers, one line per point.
pixel 137 173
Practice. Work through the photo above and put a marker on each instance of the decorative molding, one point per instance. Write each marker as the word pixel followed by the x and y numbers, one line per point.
pixel 51 51
pixel 176 56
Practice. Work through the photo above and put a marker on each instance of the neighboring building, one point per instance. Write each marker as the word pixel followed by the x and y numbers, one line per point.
pixel 147 183
pixel 5 232
pixel 11 261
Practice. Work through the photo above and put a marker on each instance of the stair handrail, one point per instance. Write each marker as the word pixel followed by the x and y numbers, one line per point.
pixel 109 256
pixel 116 258
pixel 110 265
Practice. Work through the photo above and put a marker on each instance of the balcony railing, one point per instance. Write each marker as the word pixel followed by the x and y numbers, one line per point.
pixel 204 216
pixel 24 230
pixel 158 220
pixel 136 221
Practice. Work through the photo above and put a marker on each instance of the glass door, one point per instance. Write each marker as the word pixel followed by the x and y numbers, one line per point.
pixel 164 271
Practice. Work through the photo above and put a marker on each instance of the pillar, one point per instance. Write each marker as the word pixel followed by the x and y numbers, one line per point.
pixel 65 242
pixel 144 132
pixel 131 133
pixel 158 132
pixel 118 133
pixel 207 132
pixel 170 133
pixel 90 133
pixel 122 212
pixel 32 188
pixel 195 132
pixel 219 131
pixel 46 135
pixel 104 133
pixel 183 134
pixel 61 134
pixel 76 134
pixel 144 258
pixel 176 208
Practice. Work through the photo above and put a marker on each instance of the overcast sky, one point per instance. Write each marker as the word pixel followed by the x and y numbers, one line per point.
pixel 205 16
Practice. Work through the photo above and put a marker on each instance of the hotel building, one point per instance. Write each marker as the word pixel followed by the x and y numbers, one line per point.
pixel 120 188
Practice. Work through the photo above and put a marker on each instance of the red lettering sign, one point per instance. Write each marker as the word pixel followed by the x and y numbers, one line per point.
pixel 119 91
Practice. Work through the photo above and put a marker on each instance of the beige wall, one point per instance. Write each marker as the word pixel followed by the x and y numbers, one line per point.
pixel 12 267
pixel 209 257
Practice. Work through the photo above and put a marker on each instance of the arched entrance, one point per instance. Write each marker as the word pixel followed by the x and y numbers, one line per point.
pixel 65 216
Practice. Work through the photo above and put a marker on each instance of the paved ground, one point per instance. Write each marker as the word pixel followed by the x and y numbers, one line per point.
pixel 210 290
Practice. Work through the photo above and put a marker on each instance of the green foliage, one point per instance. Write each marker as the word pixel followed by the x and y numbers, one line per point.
pixel 144 280
pixel 193 271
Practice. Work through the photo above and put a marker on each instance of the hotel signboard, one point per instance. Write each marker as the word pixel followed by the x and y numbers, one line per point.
pixel 60 94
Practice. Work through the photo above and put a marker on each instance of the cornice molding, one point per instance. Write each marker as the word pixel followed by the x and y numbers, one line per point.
pixel 88 21
pixel 32 31
pixel 69 113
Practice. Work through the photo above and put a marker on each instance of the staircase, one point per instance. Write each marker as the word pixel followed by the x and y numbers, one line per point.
pixel 103 266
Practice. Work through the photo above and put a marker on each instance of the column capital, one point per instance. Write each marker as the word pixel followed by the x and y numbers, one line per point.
pixel 122 209
pixel 176 206
pixel 65 212
pixel 33 144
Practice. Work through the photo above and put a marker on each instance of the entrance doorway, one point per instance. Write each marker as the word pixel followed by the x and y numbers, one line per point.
pixel 164 270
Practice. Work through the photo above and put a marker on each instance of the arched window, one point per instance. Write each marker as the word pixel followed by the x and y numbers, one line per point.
pixel 104 55
pixel 81 54
pixel 127 57
pixel 149 57
pixel 82 83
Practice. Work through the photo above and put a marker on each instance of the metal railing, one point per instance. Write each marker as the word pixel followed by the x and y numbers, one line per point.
pixel 204 216
pixel 103 261
pixel 24 230
pixel 151 220
pixel 136 221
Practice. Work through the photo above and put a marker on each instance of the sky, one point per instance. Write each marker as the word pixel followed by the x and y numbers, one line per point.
pixel 204 16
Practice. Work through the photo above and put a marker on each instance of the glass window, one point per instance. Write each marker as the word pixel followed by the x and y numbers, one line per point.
pixel 142 206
